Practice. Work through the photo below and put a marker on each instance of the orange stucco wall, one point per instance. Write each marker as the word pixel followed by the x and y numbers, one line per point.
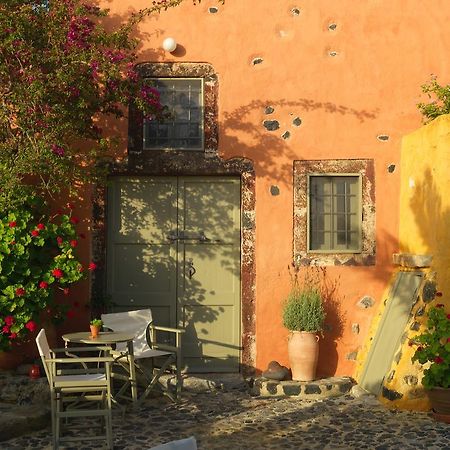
pixel 348 85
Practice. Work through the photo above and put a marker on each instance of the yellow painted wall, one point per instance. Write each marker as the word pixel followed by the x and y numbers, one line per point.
pixel 424 229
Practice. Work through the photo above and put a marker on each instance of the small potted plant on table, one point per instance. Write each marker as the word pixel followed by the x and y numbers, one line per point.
pixel 303 315
pixel 96 325
pixel 433 350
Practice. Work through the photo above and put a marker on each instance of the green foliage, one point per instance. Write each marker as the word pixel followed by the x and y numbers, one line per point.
pixel 303 309
pixel 97 323
pixel 434 348
pixel 65 68
pixel 37 255
pixel 439 100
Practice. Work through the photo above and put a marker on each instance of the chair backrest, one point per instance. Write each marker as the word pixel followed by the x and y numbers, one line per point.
pixel 44 350
pixel 135 322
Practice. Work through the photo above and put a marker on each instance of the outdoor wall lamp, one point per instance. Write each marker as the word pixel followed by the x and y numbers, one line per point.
pixel 169 44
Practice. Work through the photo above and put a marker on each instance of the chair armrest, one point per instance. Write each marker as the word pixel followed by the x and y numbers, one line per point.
pixel 171 330
pixel 89 348
pixel 105 359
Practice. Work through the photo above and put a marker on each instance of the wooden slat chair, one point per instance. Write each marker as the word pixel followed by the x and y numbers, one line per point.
pixel 152 358
pixel 78 393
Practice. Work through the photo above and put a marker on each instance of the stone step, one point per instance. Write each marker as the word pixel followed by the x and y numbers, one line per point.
pixel 304 390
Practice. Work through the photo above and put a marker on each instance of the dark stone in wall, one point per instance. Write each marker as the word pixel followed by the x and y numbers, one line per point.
pixel 420 312
pixel 268 110
pixel 274 190
pixel 429 291
pixel 332 26
pixel 271 125
pixel 272 387
pixel 286 135
pixel 256 61
pixel 312 389
pixel 213 10
pixel 383 137
pixel 292 389
pixel 297 121
pixel 391 394
pixel 415 326
pixel 391 168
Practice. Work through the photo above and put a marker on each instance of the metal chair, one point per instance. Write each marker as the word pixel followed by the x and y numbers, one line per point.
pixel 77 392
pixel 152 358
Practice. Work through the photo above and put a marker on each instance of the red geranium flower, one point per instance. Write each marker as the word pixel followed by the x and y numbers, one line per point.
pixel 35 233
pixel 66 291
pixel 448 339
pixel 41 226
pixel 20 292
pixel 5 329
pixel 448 316
pixel 92 266
pixel 419 348
pixel 438 294
pixel 43 285
pixel 73 243
pixel 70 205
pixel 12 224
pixel 440 305
pixel 12 335
pixel 31 325
pixel 59 240
pixel 438 360
pixel 9 320
pixel 57 273
pixel 74 220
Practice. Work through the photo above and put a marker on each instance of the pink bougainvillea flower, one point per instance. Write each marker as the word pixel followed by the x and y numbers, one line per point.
pixel 440 305
pixel 59 240
pixel 35 233
pixel 438 360
pixel 40 226
pixel 5 329
pixel 20 292
pixel 57 273
pixel 31 325
pixel 74 220
pixel 70 314
pixel 43 285
pixel 57 150
pixel 9 320
pixel 73 243
pixel 66 291
pixel 92 266
pixel 12 335
pixel 12 224
pixel 438 294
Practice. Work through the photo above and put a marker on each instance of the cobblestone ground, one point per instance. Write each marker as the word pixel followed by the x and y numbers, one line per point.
pixel 233 420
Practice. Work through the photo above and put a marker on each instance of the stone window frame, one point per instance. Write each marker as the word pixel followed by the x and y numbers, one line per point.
pixel 210 79
pixel 362 167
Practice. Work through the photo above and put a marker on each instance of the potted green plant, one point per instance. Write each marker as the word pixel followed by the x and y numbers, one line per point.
pixel 303 316
pixel 433 351
pixel 96 325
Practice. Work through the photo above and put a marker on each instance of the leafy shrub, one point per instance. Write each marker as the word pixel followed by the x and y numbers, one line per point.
pixel 434 348
pixel 439 100
pixel 37 256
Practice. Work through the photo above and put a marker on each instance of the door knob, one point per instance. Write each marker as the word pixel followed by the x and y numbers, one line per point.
pixel 191 269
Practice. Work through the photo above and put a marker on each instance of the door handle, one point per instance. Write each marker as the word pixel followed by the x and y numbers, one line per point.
pixel 191 269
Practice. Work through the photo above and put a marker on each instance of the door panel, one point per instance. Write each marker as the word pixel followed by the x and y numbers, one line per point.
pixel 141 260
pixel 190 280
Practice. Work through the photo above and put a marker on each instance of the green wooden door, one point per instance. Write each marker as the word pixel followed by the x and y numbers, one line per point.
pixel 174 246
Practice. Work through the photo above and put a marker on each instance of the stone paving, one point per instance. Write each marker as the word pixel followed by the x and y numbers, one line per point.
pixel 226 417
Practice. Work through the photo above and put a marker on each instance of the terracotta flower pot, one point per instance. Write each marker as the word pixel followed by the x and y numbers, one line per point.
pixel 94 331
pixel 303 351
pixel 440 402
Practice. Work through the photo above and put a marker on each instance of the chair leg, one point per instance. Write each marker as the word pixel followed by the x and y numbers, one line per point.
pixel 57 430
pixel 155 381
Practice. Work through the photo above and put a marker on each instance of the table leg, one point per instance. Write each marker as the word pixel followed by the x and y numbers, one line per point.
pixel 132 371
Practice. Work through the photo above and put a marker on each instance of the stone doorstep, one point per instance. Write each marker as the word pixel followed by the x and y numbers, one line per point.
pixel 304 390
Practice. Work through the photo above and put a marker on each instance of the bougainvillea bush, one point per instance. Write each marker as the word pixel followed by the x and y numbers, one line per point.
pixel 66 67
pixel 433 348
pixel 37 257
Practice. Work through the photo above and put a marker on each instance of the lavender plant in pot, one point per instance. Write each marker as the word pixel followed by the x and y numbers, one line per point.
pixel 303 316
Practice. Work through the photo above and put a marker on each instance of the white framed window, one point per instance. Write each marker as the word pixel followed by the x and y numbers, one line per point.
pixel 185 130
pixel 334 213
